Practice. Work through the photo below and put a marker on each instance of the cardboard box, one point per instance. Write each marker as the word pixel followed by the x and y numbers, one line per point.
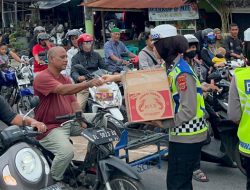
pixel 147 95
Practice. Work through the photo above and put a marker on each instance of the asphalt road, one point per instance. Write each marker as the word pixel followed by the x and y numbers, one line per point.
pixel 220 178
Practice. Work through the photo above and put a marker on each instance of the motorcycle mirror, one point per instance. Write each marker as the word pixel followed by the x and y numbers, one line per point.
pixel 34 101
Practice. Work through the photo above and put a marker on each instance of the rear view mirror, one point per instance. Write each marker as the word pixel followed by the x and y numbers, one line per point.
pixel 34 101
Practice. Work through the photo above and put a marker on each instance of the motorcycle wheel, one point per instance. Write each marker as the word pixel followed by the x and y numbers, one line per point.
pixel 238 161
pixel 122 182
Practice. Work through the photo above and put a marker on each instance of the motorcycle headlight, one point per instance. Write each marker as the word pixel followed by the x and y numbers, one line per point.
pixel 29 164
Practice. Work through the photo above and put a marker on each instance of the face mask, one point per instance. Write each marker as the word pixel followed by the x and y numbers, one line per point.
pixel 190 54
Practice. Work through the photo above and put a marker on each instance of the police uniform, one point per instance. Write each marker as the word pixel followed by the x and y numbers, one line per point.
pixel 189 129
pixel 239 112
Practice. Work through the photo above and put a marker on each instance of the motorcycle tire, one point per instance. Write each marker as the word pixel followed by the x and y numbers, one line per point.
pixel 127 183
pixel 238 160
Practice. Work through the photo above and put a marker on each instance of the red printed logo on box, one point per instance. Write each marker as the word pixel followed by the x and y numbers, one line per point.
pixel 148 105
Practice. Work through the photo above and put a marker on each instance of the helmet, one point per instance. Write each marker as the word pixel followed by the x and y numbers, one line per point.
pixel 208 36
pixel 163 31
pixel 42 36
pixel 84 38
pixel 206 32
pixel 39 29
pixel 74 32
pixel 247 35
pixel 191 38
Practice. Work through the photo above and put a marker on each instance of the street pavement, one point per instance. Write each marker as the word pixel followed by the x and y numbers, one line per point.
pixel 220 178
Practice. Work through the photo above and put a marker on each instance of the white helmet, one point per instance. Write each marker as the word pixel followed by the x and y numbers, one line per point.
pixel 39 29
pixel 247 35
pixel 191 38
pixel 163 31
pixel 74 32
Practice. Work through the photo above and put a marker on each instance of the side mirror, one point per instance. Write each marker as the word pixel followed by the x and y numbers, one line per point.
pixel 34 101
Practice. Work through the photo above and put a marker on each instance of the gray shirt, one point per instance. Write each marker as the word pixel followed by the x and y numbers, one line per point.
pixel 114 48
pixel 189 107
pixel 234 108
pixel 145 61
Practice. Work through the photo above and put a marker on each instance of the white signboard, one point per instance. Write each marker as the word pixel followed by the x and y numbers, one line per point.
pixel 185 12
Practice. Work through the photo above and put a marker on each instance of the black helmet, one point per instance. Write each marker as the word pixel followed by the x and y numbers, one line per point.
pixel 43 36
pixel 208 36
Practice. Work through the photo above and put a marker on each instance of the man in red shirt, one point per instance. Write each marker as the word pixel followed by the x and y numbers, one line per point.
pixel 42 46
pixel 57 97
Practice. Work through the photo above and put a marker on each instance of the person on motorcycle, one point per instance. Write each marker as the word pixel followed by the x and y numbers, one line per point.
pixel 233 44
pixel 33 42
pixel 146 56
pixel 209 50
pixel 72 36
pixel 11 118
pixel 188 129
pixel 42 46
pixel 201 71
pixel 239 106
pixel 113 50
pixel 57 97
pixel 5 52
pixel 90 61
pixel 219 37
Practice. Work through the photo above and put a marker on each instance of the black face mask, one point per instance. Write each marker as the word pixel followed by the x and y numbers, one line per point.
pixel 190 54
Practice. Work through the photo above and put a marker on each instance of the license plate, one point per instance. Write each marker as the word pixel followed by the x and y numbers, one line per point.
pixel 100 135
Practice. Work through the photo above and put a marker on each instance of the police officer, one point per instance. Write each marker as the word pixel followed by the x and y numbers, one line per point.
pixel 239 107
pixel 188 129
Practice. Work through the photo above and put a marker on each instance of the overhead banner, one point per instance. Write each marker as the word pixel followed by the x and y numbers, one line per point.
pixel 185 12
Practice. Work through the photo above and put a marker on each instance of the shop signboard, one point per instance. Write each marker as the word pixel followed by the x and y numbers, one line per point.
pixel 185 12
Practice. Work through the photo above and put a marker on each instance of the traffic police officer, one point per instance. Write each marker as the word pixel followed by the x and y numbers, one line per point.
pixel 239 107
pixel 188 129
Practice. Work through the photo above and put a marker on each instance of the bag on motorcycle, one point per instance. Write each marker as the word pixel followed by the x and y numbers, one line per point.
pixel 147 95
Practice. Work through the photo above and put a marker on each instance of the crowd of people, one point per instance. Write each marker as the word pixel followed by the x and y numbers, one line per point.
pixel 60 82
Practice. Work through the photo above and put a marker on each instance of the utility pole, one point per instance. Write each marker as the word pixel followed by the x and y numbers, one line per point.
pixel 88 19
pixel 15 13
pixel 3 18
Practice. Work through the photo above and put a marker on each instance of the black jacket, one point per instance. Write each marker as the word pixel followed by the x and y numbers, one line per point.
pixel 90 61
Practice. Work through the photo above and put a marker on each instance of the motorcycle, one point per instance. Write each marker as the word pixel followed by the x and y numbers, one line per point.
pixel 222 143
pixel 107 97
pixel 23 166
pixel 100 168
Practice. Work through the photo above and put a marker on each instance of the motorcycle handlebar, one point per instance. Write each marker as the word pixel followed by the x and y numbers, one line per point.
pixel 76 115
pixel 64 117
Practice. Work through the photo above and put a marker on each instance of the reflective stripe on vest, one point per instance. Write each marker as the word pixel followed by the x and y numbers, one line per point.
pixel 242 79
pixel 183 67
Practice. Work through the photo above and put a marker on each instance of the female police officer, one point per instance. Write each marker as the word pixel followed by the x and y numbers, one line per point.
pixel 188 129
pixel 239 107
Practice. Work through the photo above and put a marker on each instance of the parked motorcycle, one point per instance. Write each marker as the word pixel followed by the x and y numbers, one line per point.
pixel 222 144
pixel 22 165
pixel 100 169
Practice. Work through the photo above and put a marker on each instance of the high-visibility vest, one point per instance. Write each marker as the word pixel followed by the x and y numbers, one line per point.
pixel 198 124
pixel 242 79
